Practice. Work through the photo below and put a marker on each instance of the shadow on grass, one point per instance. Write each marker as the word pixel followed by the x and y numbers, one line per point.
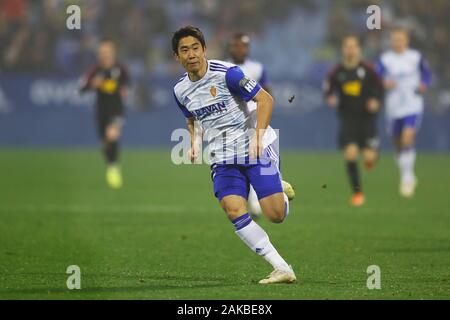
pixel 143 283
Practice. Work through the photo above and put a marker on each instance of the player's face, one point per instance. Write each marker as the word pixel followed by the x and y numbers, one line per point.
pixel 351 49
pixel 399 41
pixel 239 51
pixel 191 54
pixel 106 54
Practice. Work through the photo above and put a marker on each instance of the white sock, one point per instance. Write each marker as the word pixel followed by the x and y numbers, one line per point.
pixel 258 241
pixel 286 201
pixel 253 203
pixel 406 160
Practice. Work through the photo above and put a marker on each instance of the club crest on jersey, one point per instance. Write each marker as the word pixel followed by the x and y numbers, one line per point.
pixel 248 84
pixel 213 91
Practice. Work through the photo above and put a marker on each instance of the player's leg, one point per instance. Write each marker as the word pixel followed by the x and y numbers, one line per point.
pixel 404 140
pixel 351 154
pixel 113 131
pixel 266 178
pixel 231 189
pixel 274 154
pixel 348 142
pixel 407 160
pixel 370 143
pixel 254 208
pixel 370 156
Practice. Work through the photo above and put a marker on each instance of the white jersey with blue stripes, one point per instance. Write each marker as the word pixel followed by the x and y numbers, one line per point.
pixel 407 69
pixel 218 101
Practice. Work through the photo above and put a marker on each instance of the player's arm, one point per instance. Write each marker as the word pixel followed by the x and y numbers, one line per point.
pixel 375 90
pixel 380 69
pixel 248 89
pixel 91 81
pixel 124 82
pixel 191 126
pixel 264 107
pixel 330 87
pixel 425 75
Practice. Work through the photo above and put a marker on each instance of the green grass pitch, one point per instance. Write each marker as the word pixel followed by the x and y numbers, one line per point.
pixel 163 236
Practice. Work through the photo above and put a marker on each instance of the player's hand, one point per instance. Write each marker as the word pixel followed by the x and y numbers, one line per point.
pixel 373 105
pixel 389 84
pixel 193 153
pixel 97 81
pixel 332 101
pixel 256 147
pixel 422 88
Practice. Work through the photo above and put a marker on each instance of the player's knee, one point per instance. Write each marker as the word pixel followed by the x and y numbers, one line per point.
pixel 351 153
pixel 408 138
pixel 233 211
pixel 407 141
pixel 112 134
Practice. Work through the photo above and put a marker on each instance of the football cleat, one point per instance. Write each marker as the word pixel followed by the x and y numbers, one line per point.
pixel 114 177
pixel 280 276
pixel 288 190
pixel 357 199
pixel 407 189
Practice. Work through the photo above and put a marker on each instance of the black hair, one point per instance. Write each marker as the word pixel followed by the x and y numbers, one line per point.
pixel 106 40
pixel 186 32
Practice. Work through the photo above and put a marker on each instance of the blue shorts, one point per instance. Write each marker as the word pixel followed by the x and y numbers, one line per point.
pixel 235 179
pixel 396 126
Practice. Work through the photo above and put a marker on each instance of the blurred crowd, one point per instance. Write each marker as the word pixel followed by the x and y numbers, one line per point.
pixel 34 37
pixel 427 20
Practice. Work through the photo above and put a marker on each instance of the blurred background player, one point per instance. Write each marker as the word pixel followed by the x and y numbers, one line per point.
pixel 239 50
pixel 406 77
pixel 355 90
pixel 110 81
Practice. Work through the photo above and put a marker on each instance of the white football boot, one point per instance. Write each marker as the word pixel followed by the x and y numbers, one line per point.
pixel 280 276
pixel 407 189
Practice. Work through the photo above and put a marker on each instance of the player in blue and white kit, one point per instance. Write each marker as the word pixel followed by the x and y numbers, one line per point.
pixel 406 77
pixel 239 50
pixel 215 94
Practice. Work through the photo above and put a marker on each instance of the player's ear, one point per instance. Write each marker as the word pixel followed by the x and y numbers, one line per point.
pixel 176 57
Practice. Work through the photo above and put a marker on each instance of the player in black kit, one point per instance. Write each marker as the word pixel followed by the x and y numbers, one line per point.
pixel 355 90
pixel 110 81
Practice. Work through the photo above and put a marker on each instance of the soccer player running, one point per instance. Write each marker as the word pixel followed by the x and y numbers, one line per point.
pixel 110 81
pixel 214 94
pixel 355 90
pixel 239 50
pixel 406 77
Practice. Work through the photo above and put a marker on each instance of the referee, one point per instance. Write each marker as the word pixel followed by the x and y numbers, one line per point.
pixel 355 90
pixel 110 81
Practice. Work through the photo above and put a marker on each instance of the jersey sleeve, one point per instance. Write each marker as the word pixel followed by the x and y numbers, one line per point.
pixel 330 85
pixel 425 71
pixel 374 83
pixel 380 68
pixel 240 85
pixel 86 79
pixel 186 112
pixel 124 77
